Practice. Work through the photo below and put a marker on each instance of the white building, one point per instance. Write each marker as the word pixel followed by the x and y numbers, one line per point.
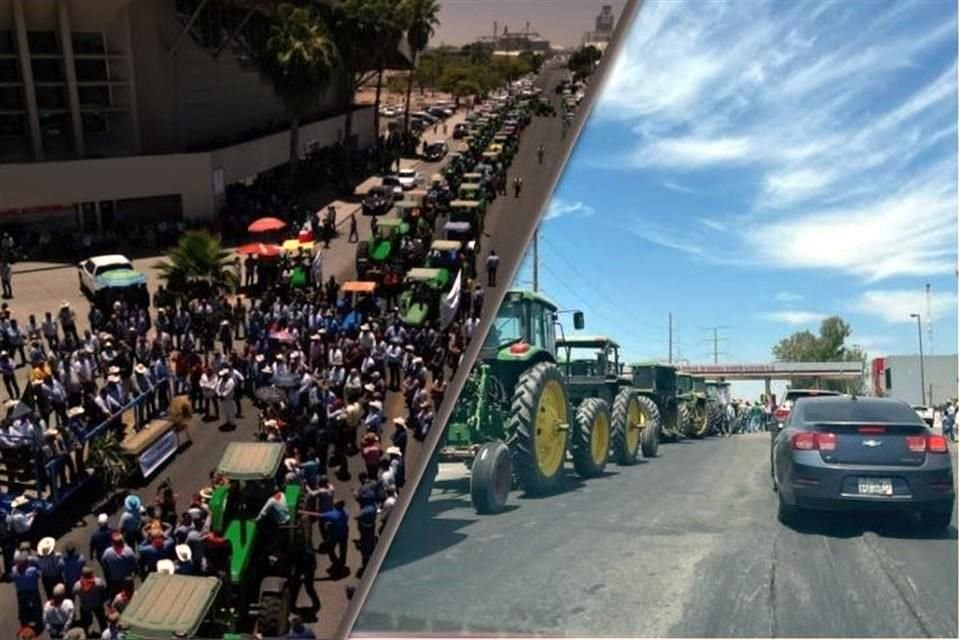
pixel 138 109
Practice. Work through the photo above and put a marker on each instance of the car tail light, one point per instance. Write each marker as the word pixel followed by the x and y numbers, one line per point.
pixel 937 444
pixel 871 429
pixel 927 444
pixel 781 413
pixel 812 441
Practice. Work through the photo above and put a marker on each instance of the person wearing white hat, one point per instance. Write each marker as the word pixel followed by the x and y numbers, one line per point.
pixel 143 385
pixel 166 566
pixel 373 422
pixel 226 391
pixel 185 565
pixel 399 437
pixel 50 563
pixel 8 369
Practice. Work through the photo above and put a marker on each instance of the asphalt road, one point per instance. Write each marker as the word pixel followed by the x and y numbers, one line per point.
pixel 508 222
pixel 686 545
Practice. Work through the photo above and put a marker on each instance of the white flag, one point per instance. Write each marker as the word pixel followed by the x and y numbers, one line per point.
pixel 450 304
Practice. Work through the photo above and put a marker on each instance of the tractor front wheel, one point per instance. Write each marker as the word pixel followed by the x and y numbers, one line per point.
pixel 274 614
pixel 538 425
pixel 628 423
pixel 490 478
pixel 650 438
pixel 684 421
pixel 591 439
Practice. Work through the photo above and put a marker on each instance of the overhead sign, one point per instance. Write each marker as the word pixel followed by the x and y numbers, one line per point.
pixel 777 370
pixel 158 453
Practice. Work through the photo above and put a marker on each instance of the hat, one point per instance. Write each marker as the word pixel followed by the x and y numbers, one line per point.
pixel 132 503
pixel 140 368
pixel 166 566
pixel 52 432
pixel 103 519
pixel 59 590
pixel 224 323
pixel 393 451
pixel 73 412
pixel 270 424
pixel 365 327
pixel 369 387
pixel 260 357
pixel 223 372
pixel 409 347
pixel 267 369
pixel 64 304
pixel 184 554
pixel 376 404
pixel 400 421
pixel 4 353
pixel 316 336
pixel 418 360
pixel 113 378
pixel 46 546
pixel 114 370
pixel 20 501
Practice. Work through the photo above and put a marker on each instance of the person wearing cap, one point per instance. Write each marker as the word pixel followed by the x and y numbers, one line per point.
pixel 8 369
pixel 26 581
pixel 208 387
pixel 90 594
pixel 394 356
pixel 68 322
pixel 50 563
pixel 143 385
pixel 399 437
pixel 185 565
pixel 119 563
pixel 58 613
pixel 373 422
pixel 100 538
pixel 226 396
pixel 131 520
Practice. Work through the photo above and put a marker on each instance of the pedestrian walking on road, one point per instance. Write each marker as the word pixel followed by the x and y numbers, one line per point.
pixel 950 421
pixel 540 154
pixel 517 186
pixel 6 277
pixel 354 235
pixel 493 262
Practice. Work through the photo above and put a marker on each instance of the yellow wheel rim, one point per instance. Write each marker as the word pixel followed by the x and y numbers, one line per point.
pixel 550 438
pixel 600 438
pixel 636 422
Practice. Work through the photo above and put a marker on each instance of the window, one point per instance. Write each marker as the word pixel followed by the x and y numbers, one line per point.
pixel 47 70
pixel 88 43
pixel 91 70
pixel 11 99
pixel 43 42
pixel 53 125
pixel 52 98
pixel 9 70
pixel 8 44
pixel 13 127
pixel 539 333
pixel 94 96
pixel 887 383
pixel 95 123
pixel 862 410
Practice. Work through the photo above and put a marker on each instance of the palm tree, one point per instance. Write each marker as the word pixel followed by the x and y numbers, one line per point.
pixel 421 19
pixel 389 24
pixel 299 59
pixel 198 260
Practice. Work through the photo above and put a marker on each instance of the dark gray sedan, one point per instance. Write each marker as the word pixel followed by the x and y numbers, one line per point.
pixel 848 453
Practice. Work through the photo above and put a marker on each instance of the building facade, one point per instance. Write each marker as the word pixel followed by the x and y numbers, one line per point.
pixel 902 379
pixel 603 27
pixel 114 108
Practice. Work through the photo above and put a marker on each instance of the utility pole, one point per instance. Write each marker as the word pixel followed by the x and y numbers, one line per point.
pixel 716 342
pixel 536 259
pixel 923 382
pixel 929 322
pixel 670 337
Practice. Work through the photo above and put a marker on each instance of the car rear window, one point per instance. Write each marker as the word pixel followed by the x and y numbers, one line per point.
pixel 857 411
pixel 808 393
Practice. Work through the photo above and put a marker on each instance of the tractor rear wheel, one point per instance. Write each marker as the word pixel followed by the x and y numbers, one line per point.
pixel 628 420
pixel 491 478
pixel 538 425
pixel 684 420
pixel 274 614
pixel 591 438
pixel 700 426
pixel 650 438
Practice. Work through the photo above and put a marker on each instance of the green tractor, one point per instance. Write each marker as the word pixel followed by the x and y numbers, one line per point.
pixel 595 383
pixel 513 423
pixel 692 393
pixel 261 564
pixel 382 247
pixel 423 290
pixel 657 385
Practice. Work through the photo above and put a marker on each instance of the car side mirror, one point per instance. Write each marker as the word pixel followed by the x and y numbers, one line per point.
pixel 578 320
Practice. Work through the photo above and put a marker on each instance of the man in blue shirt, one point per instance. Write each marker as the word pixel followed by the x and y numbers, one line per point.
pixel 338 530
pixel 26 580
pixel 119 563
pixel 367 523
pixel 100 539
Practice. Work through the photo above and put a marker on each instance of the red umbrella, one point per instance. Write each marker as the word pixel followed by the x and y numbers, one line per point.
pixel 260 249
pixel 266 224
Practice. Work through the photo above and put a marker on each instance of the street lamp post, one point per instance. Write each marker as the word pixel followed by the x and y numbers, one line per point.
pixel 923 384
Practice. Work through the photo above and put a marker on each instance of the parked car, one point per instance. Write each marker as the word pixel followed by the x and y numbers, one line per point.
pixel 378 201
pixel 460 130
pixel 409 178
pixel 392 182
pixel 426 117
pixel 845 453
pixel 441 112
pixel 926 413
pixel 435 151
pixel 92 270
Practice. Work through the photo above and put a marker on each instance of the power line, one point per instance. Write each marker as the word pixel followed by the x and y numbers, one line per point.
pixel 716 341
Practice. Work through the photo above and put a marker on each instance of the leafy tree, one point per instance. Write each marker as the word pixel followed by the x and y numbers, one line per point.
pixel 299 59
pixel 198 263
pixel 830 345
pixel 421 18
pixel 583 62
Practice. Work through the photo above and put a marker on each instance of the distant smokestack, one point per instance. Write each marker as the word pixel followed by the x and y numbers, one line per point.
pixel 527 28
pixel 495 32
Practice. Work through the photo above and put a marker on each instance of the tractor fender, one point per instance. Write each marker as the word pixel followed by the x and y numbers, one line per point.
pixel 272 585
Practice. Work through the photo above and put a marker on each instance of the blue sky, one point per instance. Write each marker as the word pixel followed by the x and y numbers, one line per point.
pixel 758 166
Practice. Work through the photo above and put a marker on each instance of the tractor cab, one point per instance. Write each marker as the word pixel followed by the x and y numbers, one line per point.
pixel 445 254
pixel 409 210
pixel 685 385
pixel 470 211
pixel 719 390
pixel 472 191
pixel 358 302
pixel 523 329
pixel 382 247
pixel 420 302
pixel 589 356
pixel 167 606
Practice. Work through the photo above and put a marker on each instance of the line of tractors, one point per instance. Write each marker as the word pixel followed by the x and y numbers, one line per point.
pixel 536 399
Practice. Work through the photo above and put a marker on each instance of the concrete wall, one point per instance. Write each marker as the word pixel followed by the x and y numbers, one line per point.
pixel 939 371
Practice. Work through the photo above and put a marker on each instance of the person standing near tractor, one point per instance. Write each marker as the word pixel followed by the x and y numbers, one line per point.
pixel 493 263
pixel 517 186
pixel 354 234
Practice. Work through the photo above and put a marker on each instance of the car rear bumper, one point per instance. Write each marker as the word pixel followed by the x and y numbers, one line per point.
pixel 834 487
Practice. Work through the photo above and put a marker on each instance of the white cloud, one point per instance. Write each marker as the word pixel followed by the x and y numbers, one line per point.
pixel 896 305
pixel 679 188
pixel 795 318
pixel 838 115
pixel 787 296
pixel 666 238
pixel 710 223
pixel 560 208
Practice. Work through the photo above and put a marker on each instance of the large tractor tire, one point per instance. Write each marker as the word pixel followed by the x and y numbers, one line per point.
pixel 491 477
pixel 700 426
pixel 684 420
pixel 650 438
pixel 591 438
pixel 274 614
pixel 628 417
pixel 538 425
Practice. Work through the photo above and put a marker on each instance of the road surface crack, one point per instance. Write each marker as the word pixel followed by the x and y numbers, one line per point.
pixel 884 563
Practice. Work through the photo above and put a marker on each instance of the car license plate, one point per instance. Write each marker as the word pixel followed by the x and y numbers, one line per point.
pixel 876 487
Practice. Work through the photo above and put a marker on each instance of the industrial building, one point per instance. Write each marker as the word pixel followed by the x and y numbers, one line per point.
pixel 146 109
pixel 602 32
pixel 900 377
pixel 508 42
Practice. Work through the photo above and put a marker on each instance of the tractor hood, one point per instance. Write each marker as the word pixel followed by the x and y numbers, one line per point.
pixel 517 352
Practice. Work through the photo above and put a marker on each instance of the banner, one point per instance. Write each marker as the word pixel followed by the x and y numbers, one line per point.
pixel 450 303
pixel 158 453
